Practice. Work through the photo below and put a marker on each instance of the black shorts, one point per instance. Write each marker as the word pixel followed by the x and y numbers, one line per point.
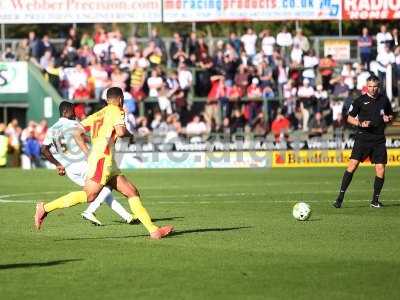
pixel 376 151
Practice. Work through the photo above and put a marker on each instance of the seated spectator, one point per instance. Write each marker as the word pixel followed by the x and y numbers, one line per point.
pixel 118 77
pixel 164 102
pixel 306 101
pixel 340 89
pixel 185 78
pixel 242 79
pixel 296 56
pixel 311 62
pixel 45 60
pixel 317 126
pixel 196 129
pixel 259 126
pixel 238 122
pixel 143 129
pixel 81 93
pixel 322 99
pixel 280 127
pixel 154 82
pixel 252 107
pixel 22 51
pixel 348 75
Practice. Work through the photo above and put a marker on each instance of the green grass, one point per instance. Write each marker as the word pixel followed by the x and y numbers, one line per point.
pixel 235 239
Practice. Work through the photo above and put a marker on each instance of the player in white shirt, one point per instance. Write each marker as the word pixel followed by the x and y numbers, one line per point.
pixel 63 146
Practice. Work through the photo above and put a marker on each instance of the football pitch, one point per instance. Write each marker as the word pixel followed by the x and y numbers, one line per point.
pixel 235 238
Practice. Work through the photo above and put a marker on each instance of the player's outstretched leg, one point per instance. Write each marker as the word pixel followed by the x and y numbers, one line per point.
pixel 65 201
pixel 121 184
pixel 346 180
pixel 106 196
pixel 378 184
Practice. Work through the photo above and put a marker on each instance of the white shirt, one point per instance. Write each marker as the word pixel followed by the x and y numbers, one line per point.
pixel 296 55
pixel 185 79
pixel 385 58
pixel 349 76
pixel 267 45
pixel 381 39
pixel 196 128
pixel 118 46
pixel 337 108
pixel 63 145
pixel 362 80
pixel 154 84
pixel 249 43
pixel 284 39
pixel 305 92
pixel 100 49
pixel 310 62
pixel 100 77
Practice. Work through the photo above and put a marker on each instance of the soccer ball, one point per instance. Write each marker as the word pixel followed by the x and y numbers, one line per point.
pixel 301 211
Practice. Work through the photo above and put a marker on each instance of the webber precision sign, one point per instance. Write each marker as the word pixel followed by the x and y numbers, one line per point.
pixel 371 9
pixel 79 11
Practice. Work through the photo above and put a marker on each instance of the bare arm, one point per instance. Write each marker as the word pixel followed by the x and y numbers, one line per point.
pixel 121 131
pixel 79 137
pixel 49 156
pixel 356 122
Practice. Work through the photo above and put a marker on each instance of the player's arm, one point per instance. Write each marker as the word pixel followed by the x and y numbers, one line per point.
pixel 121 131
pixel 45 149
pixel 79 137
pixel 388 112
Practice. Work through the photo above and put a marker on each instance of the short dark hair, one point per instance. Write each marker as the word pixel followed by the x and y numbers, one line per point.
pixel 114 92
pixel 373 78
pixel 64 107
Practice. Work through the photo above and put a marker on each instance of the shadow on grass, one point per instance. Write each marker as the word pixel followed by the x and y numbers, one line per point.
pixel 119 222
pixel 37 265
pixel 208 230
pixel 175 233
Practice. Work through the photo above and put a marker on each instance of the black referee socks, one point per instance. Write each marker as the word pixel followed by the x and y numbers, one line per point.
pixel 378 184
pixel 346 180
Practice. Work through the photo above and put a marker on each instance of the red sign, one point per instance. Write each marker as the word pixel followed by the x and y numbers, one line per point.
pixel 371 9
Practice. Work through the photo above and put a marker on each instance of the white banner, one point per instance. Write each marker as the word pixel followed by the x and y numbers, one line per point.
pixel 13 77
pixel 235 10
pixel 79 11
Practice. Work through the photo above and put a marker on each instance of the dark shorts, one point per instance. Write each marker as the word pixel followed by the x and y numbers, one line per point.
pixel 375 151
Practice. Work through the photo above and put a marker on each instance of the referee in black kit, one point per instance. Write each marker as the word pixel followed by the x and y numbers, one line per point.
pixel 370 113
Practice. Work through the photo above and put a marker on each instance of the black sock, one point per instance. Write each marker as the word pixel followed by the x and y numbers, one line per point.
pixel 347 177
pixel 378 184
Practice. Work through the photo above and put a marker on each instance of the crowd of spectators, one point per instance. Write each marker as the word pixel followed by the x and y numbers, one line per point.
pixel 256 83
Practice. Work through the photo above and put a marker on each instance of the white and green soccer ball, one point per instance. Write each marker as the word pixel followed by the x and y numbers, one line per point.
pixel 301 211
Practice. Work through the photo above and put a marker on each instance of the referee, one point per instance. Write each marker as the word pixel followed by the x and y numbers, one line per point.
pixel 370 113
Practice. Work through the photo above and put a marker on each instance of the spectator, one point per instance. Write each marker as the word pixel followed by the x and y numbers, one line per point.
pixel 296 56
pixel 311 62
pixel 153 54
pixel 395 39
pixel 385 58
pixel 383 38
pixel 73 37
pixel 164 101
pixel 284 40
pixel 86 40
pixel 365 47
pixel 235 42
pixel 196 129
pixel 32 151
pixel 340 89
pixel 238 122
pixel 154 83
pixel 280 127
pixel 46 59
pixel 317 126
pixel 348 75
pixel 301 40
pixel 3 146
pixel 143 130
pixel 76 77
pixel 362 76
pixel 154 37
pixel 48 46
pixel 22 51
pixel 177 50
pixel 118 77
pixel 35 46
pixel 185 78
pixel 267 44
pixel 249 40
pixel 322 99
pixel 41 130
pixel 13 131
pixel 8 55
pixel 211 113
pixel 259 125
pixel 100 77
pixel 326 66
pixel 118 45
pixel 306 100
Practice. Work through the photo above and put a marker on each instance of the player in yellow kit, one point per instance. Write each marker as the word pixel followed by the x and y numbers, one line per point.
pixel 105 126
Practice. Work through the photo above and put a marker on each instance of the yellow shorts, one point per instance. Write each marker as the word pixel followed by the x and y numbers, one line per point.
pixel 101 169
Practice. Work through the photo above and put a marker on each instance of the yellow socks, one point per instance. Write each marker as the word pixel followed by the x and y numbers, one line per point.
pixel 141 213
pixel 68 200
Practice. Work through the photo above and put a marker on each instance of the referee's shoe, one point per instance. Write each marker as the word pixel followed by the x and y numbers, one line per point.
pixel 376 204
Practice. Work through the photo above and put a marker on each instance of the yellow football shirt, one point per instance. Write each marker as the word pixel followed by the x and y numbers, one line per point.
pixel 101 126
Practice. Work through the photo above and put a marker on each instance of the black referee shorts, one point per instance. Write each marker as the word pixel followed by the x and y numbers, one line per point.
pixel 376 151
